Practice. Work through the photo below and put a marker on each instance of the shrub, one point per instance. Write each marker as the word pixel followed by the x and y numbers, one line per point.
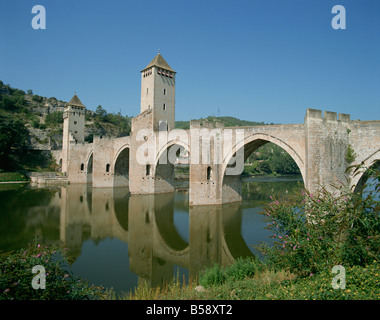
pixel 242 268
pixel 212 276
pixel 239 270
pixel 350 155
pixel 16 276
pixel 315 232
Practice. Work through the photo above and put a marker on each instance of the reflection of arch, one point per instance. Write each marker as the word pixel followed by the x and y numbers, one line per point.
pixel 255 141
pixel 164 221
pixel 121 207
pixel 121 166
pixel 359 178
pixel 233 239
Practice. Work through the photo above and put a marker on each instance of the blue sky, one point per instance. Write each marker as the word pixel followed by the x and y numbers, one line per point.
pixel 254 60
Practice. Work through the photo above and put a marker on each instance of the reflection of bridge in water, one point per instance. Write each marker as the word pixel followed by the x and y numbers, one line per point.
pixel 146 224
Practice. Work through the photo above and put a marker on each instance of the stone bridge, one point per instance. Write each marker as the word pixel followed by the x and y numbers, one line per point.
pixel 144 161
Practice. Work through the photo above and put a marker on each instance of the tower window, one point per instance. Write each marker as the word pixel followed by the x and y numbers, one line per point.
pixel 147 170
pixel 75 122
pixel 82 167
pixel 208 173
pixel 164 107
pixel 164 92
pixel 147 90
pixel 108 167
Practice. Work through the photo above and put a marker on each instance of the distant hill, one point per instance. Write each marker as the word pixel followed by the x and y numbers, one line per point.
pixel 227 121
pixel 42 117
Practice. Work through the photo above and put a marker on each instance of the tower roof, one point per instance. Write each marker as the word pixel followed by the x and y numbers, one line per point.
pixel 160 62
pixel 75 102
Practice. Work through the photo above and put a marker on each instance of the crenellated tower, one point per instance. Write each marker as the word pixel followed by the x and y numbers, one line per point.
pixel 73 128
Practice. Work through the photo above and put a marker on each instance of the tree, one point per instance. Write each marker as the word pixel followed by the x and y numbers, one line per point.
pixel 101 113
pixel 13 139
pixel 37 98
pixel 8 103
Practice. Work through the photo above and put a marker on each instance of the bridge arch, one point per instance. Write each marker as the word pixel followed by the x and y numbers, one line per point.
pixel 231 190
pixel 359 178
pixel 165 170
pixel 121 166
pixel 256 140
pixel 168 145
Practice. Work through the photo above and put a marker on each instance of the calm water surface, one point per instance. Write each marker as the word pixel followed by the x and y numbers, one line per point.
pixel 120 240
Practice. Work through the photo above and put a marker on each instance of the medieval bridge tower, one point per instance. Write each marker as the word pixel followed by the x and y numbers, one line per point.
pixel 143 161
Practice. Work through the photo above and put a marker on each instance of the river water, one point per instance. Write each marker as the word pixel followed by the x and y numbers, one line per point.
pixel 121 241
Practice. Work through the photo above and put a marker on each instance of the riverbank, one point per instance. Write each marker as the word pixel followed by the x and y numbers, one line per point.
pixel 13 177
pixel 362 283
pixel 245 279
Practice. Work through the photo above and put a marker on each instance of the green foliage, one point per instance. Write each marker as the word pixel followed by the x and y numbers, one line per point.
pixel 185 125
pixel 226 121
pixel 16 276
pixel 315 232
pixel 100 113
pixel 239 270
pixel 54 119
pixel 12 176
pixel 233 122
pixel 242 268
pixel 362 283
pixel 212 276
pixel 13 103
pixel 37 98
pixel 102 118
pixel 350 155
pixel 13 138
pixel 36 161
pixel 270 159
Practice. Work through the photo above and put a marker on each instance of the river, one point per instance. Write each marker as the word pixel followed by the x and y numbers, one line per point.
pixel 120 240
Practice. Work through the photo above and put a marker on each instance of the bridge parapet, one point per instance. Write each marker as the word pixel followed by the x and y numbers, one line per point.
pixel 327 115
pixel 205 124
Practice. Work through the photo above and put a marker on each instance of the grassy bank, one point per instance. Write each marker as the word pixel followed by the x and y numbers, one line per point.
pixel 12 176
pixel 246 279
pixel 362 283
